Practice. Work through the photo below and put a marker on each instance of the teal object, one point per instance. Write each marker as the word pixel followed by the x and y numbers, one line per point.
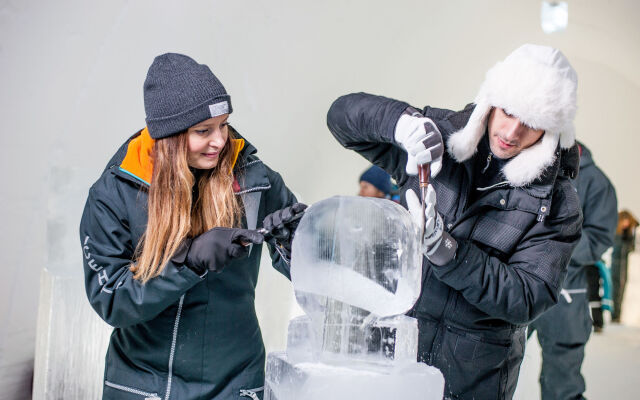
pixel 607 285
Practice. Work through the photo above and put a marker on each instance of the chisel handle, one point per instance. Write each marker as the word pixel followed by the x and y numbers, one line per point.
pixel 423 175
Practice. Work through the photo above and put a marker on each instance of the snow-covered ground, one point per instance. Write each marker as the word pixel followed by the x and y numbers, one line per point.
pixel 612 359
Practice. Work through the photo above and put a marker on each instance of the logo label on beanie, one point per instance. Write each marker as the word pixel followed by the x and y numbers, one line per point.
pixel 219 108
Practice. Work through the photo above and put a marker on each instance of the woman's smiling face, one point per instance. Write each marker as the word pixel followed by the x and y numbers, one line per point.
pixel 206 141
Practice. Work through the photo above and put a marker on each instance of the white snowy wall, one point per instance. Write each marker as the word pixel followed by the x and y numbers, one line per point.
pixel 71 75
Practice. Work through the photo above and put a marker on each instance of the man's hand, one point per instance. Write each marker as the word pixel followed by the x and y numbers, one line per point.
pixel 421 139
pixel 437 244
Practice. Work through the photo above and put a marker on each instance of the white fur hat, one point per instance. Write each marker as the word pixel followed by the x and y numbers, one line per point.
pixel 536 84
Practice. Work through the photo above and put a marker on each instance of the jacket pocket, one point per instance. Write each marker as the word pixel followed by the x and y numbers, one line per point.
pixel 448 199
pixel 122 392
pixel 253 394
pixel 496 234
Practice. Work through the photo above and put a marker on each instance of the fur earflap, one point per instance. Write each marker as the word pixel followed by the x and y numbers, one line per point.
pixel 538 85
pixel 464 143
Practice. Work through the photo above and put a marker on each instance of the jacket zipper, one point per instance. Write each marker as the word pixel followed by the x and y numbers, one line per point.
pixel 174 338
pixel 566 293
pixel 116 170
pixel 488 162
pixel 148 396
pixel 251 392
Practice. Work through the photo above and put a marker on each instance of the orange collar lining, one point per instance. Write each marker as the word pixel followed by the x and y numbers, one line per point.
pixel 139 163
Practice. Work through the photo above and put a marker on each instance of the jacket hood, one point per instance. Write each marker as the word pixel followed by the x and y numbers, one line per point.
pixel 538 85
pixel 585 156
pixel 138 161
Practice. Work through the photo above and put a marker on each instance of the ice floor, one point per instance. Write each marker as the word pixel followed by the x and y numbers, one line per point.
pixel 612 358
pixel 611 367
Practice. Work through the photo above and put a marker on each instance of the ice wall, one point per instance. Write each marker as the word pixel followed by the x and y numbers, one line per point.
pixel 71 342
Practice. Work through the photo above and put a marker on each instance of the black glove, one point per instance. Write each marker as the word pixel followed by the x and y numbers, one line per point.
pixel 280 225
pixel 215 248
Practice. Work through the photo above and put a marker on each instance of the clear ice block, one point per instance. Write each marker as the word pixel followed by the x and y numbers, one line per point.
pixel 355 260
pixel 360 251
pixel 356 269
pixel 385 342
pixel 318 381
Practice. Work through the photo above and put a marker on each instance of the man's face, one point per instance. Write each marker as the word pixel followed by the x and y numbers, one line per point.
pixel 508 136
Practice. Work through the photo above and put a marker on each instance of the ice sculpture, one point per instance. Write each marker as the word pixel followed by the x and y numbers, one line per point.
pixel 356 269
pixel 71 341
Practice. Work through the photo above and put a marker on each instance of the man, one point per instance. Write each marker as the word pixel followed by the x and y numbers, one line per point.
pixel 499 237
pixel 375 182
pixel 563 331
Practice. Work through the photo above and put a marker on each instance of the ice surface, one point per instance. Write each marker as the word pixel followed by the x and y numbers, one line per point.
pixel 357 250
pixel 318 381
pixel 378 342
pixel 351 287
pixel 71 342
pixel 355 260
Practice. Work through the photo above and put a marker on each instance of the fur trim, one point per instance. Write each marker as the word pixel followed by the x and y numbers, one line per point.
pixel 529 165
pixel 538 85
pixel 568 136
pixel 464 143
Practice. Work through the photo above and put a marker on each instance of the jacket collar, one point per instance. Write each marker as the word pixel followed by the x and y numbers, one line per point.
pixel 138 161
pixel 565 164
pixel 585 156
pixel 249 171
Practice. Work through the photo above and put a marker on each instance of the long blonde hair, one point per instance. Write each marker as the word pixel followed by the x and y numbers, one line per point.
pixel 173 212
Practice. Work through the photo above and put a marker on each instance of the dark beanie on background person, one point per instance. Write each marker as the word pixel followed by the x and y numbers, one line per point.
pixel 378 178
pixel 179 93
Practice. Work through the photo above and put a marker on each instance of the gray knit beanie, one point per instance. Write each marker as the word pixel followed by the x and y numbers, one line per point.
pixel 179 93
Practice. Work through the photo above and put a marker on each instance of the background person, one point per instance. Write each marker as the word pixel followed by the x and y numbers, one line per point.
pixel 625 243
pixel 375 182
pixel 564 330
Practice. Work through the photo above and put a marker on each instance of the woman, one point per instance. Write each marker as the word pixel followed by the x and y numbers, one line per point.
pixel 171 253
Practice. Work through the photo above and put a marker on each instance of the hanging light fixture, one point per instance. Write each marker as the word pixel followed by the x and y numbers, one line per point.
pixel 554 16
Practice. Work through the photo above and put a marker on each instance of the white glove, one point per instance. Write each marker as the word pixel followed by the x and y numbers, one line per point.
pixel 422 140
pixel 437 244
pixel 433 226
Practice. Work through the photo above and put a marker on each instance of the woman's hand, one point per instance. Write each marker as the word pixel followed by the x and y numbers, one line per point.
pixel 215 248
pixel 280 225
